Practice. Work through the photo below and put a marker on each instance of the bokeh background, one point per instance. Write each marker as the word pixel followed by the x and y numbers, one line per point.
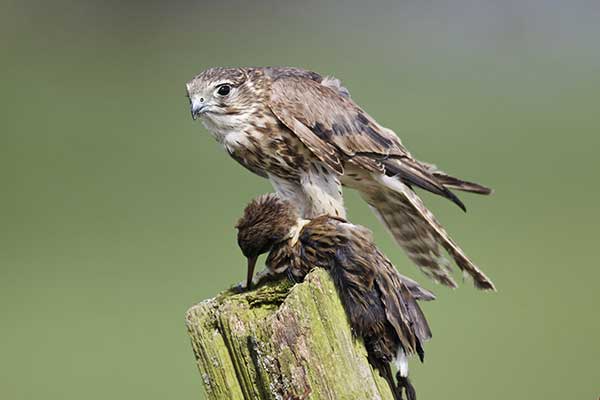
pixel 117 210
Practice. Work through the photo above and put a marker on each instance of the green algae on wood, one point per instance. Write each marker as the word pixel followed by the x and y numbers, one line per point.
pixel 280 342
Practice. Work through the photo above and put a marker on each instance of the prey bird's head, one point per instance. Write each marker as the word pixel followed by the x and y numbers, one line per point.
pixel 267 221
pixel 218 94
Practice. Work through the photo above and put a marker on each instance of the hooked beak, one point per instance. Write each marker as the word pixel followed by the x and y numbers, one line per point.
pixel 250 274
pixel 196 108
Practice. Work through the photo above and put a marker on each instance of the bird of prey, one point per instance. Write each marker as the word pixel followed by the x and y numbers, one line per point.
pixel 305 134
pixel 380 303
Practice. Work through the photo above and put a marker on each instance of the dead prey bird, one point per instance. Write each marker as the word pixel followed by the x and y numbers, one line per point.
pixel 306 135
pixel 380 303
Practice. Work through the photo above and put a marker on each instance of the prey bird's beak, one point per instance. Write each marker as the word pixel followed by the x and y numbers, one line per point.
pixel 250 275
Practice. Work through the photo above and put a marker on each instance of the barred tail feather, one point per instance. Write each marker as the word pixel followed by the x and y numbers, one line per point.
pixel 417 231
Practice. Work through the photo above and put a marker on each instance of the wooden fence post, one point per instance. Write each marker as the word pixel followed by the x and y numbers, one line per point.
pixel 281 341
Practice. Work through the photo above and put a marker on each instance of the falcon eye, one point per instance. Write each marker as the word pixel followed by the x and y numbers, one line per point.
pixel 224 90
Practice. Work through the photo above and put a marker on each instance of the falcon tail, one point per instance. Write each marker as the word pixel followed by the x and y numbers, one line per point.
pixel 418 232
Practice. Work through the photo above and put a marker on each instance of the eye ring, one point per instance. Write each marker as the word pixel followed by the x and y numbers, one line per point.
pixel 224 90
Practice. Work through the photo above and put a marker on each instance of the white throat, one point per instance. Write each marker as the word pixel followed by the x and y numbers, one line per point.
pixel 227 128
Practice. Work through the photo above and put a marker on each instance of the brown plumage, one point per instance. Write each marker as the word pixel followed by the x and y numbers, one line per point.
pixel 306 135
pixel 380 303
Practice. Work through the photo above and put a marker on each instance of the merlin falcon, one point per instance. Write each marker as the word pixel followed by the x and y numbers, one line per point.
pixel 304 133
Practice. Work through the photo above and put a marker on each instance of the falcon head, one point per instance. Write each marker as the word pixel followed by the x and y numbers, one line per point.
pixel 218 94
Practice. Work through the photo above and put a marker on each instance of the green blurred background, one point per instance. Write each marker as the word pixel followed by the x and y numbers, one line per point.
pixel 117 210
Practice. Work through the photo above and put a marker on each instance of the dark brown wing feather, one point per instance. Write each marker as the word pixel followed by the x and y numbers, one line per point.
pixel 452 182
pixel 412 173
pixel 312 110
pixel 335 129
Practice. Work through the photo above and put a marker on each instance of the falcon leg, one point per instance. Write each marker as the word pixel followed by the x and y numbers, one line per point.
pixel 324 192
pixel 292 192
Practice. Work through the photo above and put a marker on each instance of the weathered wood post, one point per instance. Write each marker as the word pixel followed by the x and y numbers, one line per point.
pixel 281 341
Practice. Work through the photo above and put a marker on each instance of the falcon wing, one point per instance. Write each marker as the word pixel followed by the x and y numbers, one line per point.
pixel 324 117
pixel 312 110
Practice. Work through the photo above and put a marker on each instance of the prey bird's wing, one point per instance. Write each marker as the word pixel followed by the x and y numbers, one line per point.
pixel 335 129
pixel 402 310
pixel 399 301
pixel 357 262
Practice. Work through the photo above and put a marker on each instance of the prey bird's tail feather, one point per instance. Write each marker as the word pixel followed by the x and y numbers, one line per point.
pixel 418 232
pixel 416 290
